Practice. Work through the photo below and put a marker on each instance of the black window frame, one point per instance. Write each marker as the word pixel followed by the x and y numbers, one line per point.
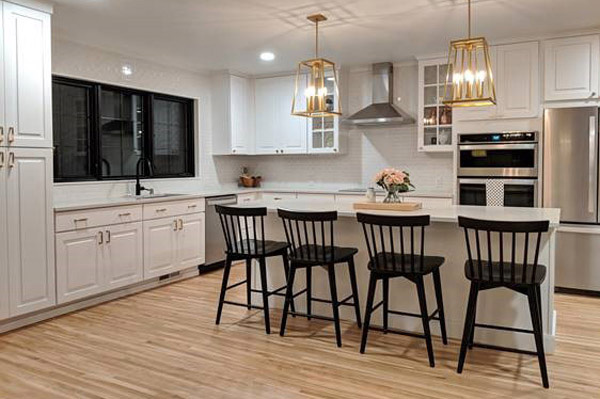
pixel 95 151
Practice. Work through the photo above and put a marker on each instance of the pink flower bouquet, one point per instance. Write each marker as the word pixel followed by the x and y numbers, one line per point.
pixel 393 181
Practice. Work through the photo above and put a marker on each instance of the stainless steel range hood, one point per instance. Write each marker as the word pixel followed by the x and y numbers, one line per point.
pixel 382 112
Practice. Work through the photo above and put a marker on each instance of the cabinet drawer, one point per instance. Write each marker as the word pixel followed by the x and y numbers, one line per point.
pixel 87 218
pixel 244 198
pixel 173 208
pixel 278 196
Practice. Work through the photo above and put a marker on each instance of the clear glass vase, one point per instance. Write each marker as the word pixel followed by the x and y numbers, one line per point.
pixel 392 197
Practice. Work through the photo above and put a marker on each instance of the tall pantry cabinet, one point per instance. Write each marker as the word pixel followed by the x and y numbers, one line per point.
pixel 27 280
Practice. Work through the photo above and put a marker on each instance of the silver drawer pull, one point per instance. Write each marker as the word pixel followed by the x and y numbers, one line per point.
pixel 80 220
pixel 192 206
pixel 100 236
pixel 107 236
pixel 11 160
pixel 121 215
pixel 1 134
pixel 1 158
pixel 175 225
pixel 11 134
pixel 161 210
pixel 180 224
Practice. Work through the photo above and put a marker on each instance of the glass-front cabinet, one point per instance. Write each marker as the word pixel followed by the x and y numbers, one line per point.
pixel 435 119
pixel 323 132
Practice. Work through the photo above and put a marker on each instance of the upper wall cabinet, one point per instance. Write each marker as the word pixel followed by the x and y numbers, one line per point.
pixel 435 119
pixel 233 115
pixel 277 130
pixel 516 78
pixel 26 115
pixel 572 68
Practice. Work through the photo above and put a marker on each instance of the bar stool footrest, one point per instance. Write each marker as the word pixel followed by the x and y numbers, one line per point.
pixel 502 328
pixel 237 284
pixel 245 305
pixel 505 349
pixel 397 331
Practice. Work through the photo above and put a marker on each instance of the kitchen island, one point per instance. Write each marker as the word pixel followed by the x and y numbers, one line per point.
pixel 443 238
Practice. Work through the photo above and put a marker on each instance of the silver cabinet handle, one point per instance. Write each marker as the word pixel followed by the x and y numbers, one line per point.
pixel 592 165
pixel 100 237
pixel 1 134
pixel 180 224
pixel 107 236
pixel 1 159
pixel 121 215
pixel 175 225
pixel 11 160
pixel 80 220
pixel 11 134
pixel 192 206
pixel 161 210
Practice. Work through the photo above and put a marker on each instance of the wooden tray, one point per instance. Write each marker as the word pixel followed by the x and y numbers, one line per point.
pixel 402 206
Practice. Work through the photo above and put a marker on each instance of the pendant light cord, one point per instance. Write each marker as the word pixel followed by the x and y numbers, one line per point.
pixel 469 8
pixel 317 39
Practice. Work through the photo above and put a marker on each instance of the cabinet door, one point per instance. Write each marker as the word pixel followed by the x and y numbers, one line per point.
pixel 572 68
pixel 241 115
pixel 517 82
pixel 30 230
pixel 27 76
pixel 79 270
pixel 291 130
pixel 160 247
pixel 4 301
pixel 267 119
pixel 123 262
pixel 190 241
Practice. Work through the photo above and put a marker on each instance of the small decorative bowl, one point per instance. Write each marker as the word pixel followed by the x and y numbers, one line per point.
pixel 250 181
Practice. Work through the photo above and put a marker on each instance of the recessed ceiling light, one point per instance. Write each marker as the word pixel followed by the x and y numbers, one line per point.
pixel 267 56
pixel 127 70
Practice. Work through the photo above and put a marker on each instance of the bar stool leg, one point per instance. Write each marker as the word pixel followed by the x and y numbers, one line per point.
pixel 335 304
pixel 535 309
pixel 437 281
pixel 309 291
pixel 472 333
pixel 289 294
pixel 469 325
pixel 352 272
pixel 386 304
pixel 226 271
pixel 425 318
pixel 286 268
pixel 249 283
pixel 368 311
pixel 265 293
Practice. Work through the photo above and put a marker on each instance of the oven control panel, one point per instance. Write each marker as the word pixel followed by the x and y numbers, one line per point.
pixel 491 138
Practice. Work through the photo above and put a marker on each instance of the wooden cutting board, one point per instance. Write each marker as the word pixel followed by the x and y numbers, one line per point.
pixel 381 206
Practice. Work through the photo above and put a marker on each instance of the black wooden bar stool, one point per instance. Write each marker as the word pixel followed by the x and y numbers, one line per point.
pixel 386 263
pixel 241 228
pixel 311 239
pixel 524 278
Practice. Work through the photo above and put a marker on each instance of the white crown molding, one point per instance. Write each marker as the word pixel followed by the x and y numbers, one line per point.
pixel 35 4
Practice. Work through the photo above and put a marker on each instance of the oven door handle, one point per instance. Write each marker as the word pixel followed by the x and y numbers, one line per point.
pixel 509 181
pixel 531 146
pixel 592 166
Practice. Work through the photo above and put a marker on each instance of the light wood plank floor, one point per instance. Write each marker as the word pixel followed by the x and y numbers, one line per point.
pixel 164 344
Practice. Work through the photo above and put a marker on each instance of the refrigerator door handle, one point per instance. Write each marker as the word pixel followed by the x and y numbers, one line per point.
pixel 592 166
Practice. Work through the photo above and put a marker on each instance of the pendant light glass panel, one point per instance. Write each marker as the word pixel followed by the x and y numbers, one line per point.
pixel 316 94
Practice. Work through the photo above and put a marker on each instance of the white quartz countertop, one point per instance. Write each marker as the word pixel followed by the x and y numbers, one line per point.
pixel 72 204
pixel 438 213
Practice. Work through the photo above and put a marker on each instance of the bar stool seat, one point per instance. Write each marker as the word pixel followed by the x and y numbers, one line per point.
pixel 501 274
pixel 318 254
pixel 394 263
pixel 254 248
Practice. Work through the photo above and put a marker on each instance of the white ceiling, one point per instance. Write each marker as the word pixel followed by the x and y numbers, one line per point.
pixel 206 35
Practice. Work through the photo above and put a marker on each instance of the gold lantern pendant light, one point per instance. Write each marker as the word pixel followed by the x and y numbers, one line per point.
pixel 317 100
pixel 469 81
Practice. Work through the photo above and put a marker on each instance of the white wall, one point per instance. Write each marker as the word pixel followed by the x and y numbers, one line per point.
pixel 75 60
pixel 367 149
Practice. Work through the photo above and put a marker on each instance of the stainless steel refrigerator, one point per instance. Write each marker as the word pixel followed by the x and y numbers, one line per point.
pixel 571 184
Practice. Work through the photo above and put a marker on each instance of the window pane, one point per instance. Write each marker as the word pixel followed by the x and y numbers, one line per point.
pixel 72 129
pixel 170 137
pixel 122 131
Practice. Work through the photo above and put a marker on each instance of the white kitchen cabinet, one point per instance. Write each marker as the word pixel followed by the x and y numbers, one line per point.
pixel 123 255
pixel 27 77
pixel 79 264
pixel 233 115
pixel 190 241
pixel 516 78
pixel 4 286
pixel 572 68
pixel 160 247
pixel 29 229
pixel 277 131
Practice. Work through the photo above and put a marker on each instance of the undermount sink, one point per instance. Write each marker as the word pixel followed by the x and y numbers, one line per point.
pixel 161 195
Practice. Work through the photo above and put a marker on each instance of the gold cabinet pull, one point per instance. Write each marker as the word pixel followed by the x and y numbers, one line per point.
pixel 175 225
pixel 180 224
pixel 1 159
pixel 1 134
pixel 100 236
pixel 107 236
pixel 11 160
pixel 11 134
